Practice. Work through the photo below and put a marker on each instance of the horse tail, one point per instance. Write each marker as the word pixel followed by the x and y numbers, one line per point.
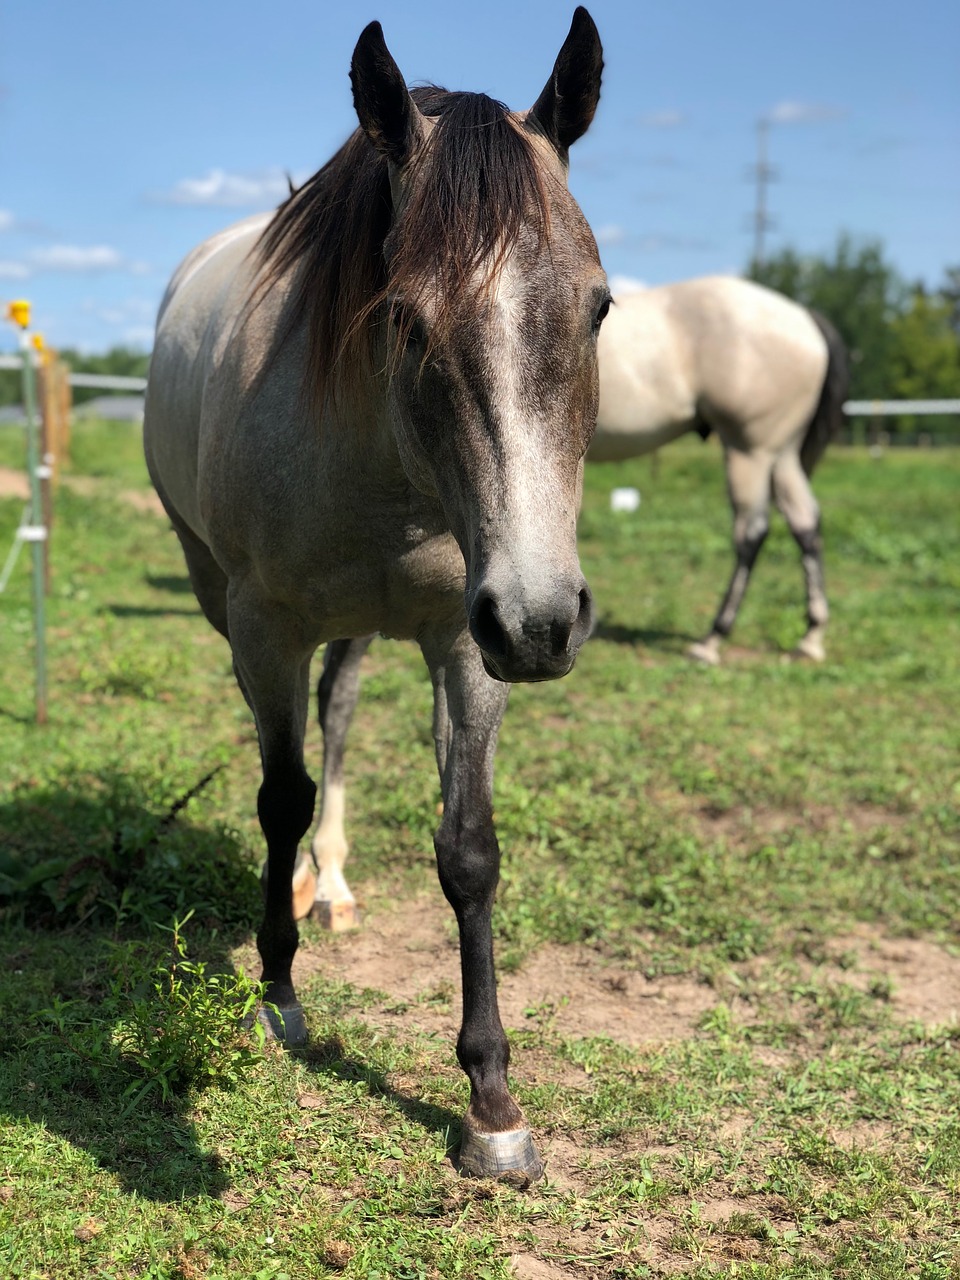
pixel 828 416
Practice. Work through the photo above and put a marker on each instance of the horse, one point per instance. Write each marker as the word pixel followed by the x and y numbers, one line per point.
pixel 369 413
pixel 769 376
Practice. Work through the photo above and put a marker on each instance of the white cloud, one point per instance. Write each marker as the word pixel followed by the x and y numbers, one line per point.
pixel 71 257
pixel 668 119
pixel 14 271
pixel 6 219
pixel 81 260
pixel 660 242
pixel 625 284
pixel 136 312
pixel 610 234
pixel 788 112
pixel 139 335
pixel 227 190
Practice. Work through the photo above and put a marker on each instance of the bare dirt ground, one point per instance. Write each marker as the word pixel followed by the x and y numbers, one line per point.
pixel 14 484
pixel 411 955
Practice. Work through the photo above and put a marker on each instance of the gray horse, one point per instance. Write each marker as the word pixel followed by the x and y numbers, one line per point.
pixel 371 415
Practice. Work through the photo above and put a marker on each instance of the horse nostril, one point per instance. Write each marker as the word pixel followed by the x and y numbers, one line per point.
pixel 565 636
pixel 584 624
pixel 486 627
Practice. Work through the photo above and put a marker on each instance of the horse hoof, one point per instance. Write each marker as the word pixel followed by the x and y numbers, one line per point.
pixel 510 1156
pixel 810 650
pixel 335 916
pixel 703 651
pixel 286 1025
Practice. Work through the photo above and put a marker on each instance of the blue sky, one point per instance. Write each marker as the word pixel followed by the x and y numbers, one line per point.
pixel 129 132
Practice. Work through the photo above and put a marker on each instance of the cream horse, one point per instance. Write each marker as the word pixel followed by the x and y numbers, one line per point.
pixel 770 377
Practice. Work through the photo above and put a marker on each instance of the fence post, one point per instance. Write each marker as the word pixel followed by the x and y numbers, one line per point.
pixel 48 445
pixel 35 532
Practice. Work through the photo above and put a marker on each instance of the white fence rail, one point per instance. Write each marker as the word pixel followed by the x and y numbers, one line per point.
pixel 103 381
pixel 894 408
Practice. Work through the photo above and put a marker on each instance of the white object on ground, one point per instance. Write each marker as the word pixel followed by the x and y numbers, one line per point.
pixel 625 499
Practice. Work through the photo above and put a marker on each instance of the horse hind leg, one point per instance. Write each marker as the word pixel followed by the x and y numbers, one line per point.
pixel 796 502
pixel 333 904
pixel 748 483
pixel 468 709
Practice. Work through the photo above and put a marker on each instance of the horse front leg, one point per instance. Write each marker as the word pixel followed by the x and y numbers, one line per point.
pixel 748 484
pixel 334 906
pixel 468 709
pixel 272 662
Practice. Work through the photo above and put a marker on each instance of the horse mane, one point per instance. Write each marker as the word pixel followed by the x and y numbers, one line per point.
pixel 473 187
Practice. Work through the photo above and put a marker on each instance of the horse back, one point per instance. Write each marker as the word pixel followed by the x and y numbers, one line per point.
pixel 198 315
pixel 760 360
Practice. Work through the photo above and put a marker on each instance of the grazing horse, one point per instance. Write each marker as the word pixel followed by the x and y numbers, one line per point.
pixel 770 377
pixel 370 414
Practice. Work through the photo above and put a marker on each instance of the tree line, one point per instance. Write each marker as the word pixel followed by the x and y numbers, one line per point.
pixel 903 338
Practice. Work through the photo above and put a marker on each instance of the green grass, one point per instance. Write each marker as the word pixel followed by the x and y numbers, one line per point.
pixel 743 827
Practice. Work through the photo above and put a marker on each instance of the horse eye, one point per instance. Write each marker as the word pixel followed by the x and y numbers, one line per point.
pixel 408 325
pixel 601 314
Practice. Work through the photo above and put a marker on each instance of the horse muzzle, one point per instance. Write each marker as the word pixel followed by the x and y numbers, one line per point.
pixel 522 644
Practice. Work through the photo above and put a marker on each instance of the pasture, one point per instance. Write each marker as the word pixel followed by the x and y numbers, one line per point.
pixel 727 926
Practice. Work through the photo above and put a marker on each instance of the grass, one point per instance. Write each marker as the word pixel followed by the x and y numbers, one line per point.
pixel 753 830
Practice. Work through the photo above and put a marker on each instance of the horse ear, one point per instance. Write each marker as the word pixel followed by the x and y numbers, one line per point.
pixel 565 108
pixel 387 114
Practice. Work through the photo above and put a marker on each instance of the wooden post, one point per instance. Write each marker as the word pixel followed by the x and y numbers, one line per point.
pixel 65 413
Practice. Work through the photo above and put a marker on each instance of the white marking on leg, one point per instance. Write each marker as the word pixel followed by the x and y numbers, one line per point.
pixel 330 847
pixel 707 651
pixel 811 646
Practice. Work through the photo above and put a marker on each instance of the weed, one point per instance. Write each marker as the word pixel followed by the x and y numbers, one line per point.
pixel 174 1026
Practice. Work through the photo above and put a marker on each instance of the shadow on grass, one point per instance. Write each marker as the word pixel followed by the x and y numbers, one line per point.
pixel 327 1058
pixel 81 868
pixel 179 585
pixel 651 637
pixel 17 719
pixel 153 1150
pixel 148 611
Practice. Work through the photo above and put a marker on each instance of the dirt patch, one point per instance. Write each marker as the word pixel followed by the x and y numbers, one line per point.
pixel 14 484
pixel 412 956
pixel 527 1266
pixel 924 977
pixel 142 500
pixel 745 825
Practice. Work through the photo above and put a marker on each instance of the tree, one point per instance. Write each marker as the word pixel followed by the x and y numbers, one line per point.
pixel 950 292
pixel 904 342
pixel 124 362
pixel 856 289
pixel 925 356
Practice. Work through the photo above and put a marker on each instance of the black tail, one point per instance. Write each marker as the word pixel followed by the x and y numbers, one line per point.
pixel 828 416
